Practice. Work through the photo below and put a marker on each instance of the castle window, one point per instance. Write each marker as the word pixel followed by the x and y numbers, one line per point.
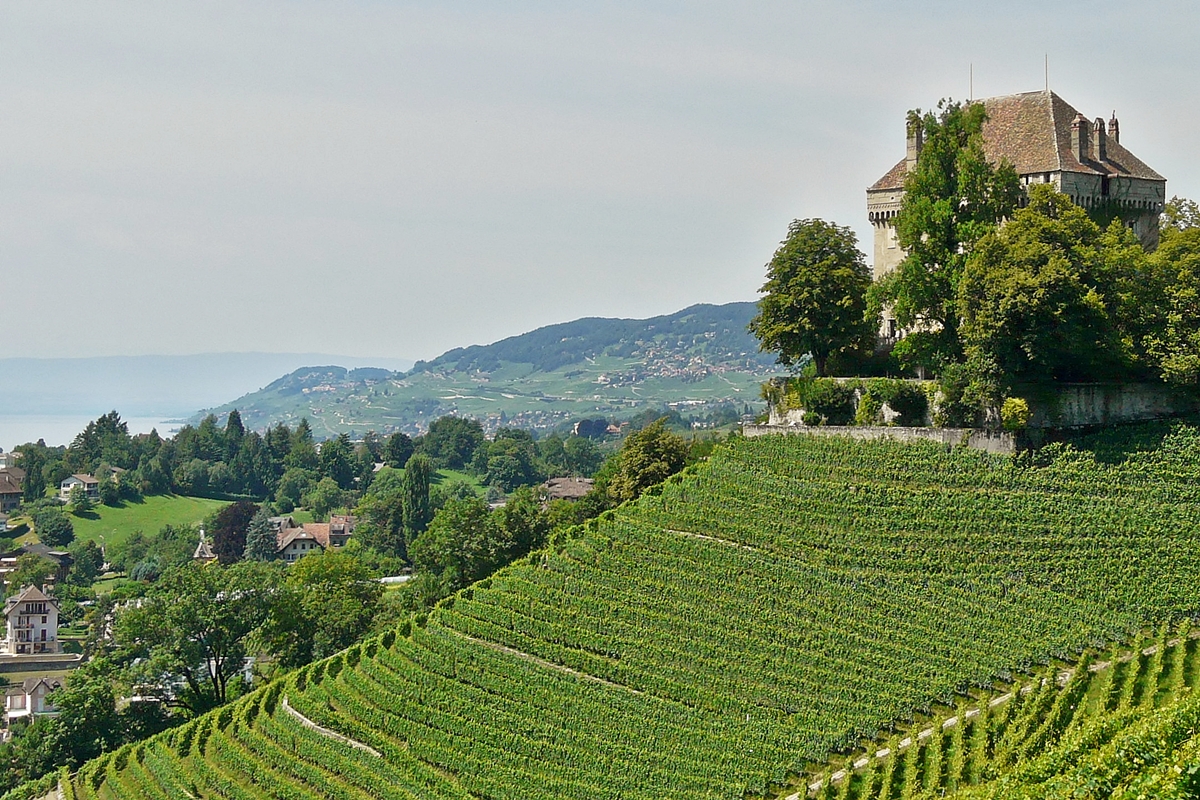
pixel 1104 186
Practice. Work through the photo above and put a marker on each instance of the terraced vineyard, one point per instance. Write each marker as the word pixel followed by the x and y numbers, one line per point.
pixel 1115 722
pixel 785 599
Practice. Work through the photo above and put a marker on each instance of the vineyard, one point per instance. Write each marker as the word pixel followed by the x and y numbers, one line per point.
pixel 1112 724
pixel 724 634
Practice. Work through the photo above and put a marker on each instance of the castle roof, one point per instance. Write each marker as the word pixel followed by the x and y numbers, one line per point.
pixel 1033 132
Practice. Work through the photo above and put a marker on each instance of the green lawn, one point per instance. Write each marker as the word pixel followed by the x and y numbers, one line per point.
pixel 112 525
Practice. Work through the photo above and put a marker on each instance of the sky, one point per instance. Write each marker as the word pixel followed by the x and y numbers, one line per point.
pixel 395 179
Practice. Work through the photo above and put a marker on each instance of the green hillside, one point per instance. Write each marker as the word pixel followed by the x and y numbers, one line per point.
pixel 1112 724
pixel 109 526
pixel 787 598
pixel 701 357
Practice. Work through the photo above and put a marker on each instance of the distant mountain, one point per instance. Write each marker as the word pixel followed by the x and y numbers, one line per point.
pixel 698 359
pixel 164 386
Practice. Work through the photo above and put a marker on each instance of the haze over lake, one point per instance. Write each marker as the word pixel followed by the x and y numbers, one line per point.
pixel 18 429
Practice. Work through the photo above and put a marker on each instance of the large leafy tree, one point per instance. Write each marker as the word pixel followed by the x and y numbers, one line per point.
pixel 815 297
pixel 952 198
pixel 326 602
pixel 191 629
pixel 1175 345
pixel 229 530
pixel 452 441
pixel 463 544
pixel 1041 300
pixel 647 457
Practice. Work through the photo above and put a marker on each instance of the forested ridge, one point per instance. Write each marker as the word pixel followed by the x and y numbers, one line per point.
pixel 713 638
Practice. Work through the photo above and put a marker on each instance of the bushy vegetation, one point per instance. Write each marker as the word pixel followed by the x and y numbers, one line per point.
pixel 788 597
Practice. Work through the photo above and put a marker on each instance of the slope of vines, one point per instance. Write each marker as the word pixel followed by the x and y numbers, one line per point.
pixel 719 636
pixel 1112 723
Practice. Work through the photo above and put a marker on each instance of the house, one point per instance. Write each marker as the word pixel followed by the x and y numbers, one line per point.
pixel 90 484
pixel 31 622
pixel 60 559
pixel 12 488
pixel 8 459
pixel 295 542
pixel 1047 141
pixel 28 698
pixel 567 488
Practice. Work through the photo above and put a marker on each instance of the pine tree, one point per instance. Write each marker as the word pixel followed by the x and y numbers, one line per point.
pixel 260 539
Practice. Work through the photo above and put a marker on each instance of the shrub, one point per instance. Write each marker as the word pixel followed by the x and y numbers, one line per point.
pixel 811 418
pixel 870 408
pixel 1015 414
pixel 833 400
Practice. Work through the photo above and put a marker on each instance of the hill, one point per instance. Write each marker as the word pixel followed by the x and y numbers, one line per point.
pixel 701 357
pixel 789 597
pixel 145 385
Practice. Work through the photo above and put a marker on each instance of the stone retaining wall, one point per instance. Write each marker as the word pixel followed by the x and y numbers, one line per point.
pixel 991 442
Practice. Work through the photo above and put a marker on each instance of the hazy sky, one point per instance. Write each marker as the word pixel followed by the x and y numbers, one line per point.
pixel 396 178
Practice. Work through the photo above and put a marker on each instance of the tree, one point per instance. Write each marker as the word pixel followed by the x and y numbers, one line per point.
pixel 86 562
pixel 452 441
pixel 191 629
pixel 815 295
pixel 31 570
pixel 260 538
pixel 463 544
pixel 229 530
pixel 417 514
pixel 337 461
pixel 524 521
pixel 381 514
pixel 582 455
pixel 294 484
pixel 324 498
pixel 235 431
pixel 1175 345
pixel 34 458
pixel 80 502
pixel 952 197
pixel 647 458
pixel 326 603
pixel 1037 299
pixel 52 526
pixel 398 450
pixel 110 491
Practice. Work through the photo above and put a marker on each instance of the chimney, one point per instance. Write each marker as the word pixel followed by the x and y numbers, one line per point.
pixel 1114 129
pixel 1080 138
pixel 916 140
pixel 1099 140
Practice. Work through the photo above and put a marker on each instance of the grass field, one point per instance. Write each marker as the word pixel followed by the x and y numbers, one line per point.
pixel 113 525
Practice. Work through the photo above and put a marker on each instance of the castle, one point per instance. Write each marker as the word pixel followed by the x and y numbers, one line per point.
pixel 1047 141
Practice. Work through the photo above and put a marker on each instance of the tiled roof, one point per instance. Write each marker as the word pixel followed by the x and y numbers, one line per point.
pixel 568 488
pixel 1033 132
pixel 30 594
pixel 9 484
pixel 310 531
pixel 894 179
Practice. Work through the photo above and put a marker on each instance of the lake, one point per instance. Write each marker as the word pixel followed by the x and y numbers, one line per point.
pixel 17 429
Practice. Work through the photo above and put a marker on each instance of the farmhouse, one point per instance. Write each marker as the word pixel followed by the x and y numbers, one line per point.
pixel 1047 141
pixel 31 622
pixel 295 542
